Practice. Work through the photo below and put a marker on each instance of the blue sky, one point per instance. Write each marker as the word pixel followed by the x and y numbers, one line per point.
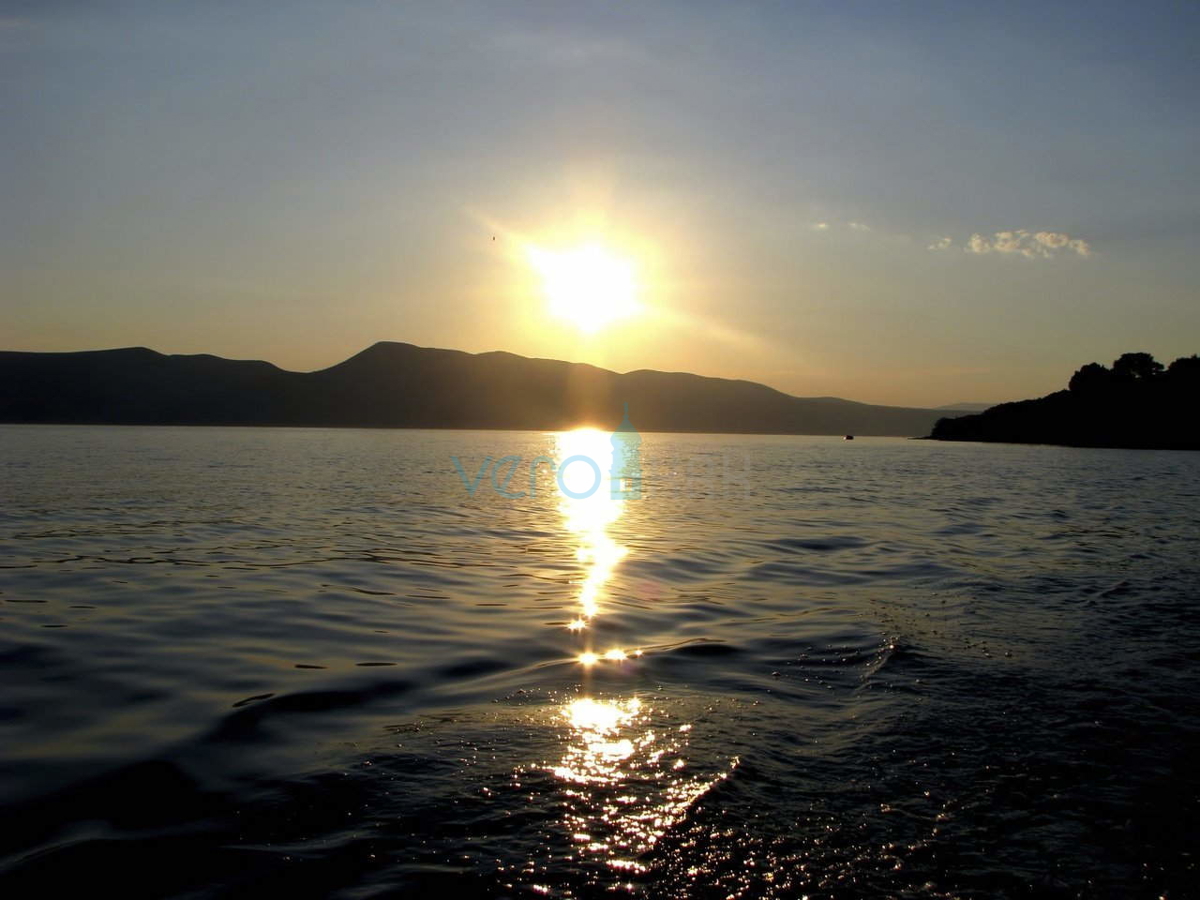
pixel 798 183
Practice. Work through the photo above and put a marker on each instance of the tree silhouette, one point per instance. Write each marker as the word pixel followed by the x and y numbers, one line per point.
pixel 1091 379
pixel 1136 367
pixel 1134 404
pixel 1185 371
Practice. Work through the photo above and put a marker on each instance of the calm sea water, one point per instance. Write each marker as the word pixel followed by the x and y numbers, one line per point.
pixel 254 662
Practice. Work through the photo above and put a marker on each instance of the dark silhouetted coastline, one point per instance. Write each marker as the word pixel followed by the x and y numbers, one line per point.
pixel 1136 404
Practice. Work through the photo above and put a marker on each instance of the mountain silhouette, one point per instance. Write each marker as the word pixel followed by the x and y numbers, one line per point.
pixel 396 385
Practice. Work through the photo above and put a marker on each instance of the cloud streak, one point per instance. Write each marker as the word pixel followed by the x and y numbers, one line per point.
pixel 1020 242
pixel 853 226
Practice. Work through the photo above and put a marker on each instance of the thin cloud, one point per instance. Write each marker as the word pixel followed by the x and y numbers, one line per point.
pixel 853 226
pixel 1020 242
pixel 559 47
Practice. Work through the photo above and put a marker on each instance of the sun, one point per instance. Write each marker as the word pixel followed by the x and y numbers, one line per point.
pixel 588 286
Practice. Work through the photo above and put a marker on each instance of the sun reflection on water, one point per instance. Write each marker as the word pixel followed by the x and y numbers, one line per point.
pixel 588 518
pixel 623 774
pixel 625 779
pixel 595 723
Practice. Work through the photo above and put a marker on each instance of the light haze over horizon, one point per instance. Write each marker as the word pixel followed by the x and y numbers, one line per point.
pixel 911 204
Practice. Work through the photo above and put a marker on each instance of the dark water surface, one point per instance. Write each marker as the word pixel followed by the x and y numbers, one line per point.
pixel 254 662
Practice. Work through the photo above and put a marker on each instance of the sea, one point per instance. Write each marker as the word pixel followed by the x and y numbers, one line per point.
pixel 277 662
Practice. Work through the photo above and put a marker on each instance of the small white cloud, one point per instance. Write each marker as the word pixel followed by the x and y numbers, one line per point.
pixel 820 226
pixel 1009 241
pixel 944 243
pixel 859 226
pixel 1057 240
pixel 977 244
pixel 1042 245
pixel 1051 239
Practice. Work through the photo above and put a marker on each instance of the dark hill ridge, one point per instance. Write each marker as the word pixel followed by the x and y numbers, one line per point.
pixel 394 385
pixel 1136 404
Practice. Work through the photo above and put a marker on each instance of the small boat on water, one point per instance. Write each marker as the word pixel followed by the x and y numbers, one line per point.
pixel 848 437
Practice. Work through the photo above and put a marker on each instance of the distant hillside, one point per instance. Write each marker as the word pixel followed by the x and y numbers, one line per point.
pixel 395 385
pixel 965 407
pixel 1137 404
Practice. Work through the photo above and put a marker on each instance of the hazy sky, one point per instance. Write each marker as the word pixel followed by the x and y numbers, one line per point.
pixel 911 203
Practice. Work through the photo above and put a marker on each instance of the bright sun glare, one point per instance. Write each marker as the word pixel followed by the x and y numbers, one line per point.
pixel 589 286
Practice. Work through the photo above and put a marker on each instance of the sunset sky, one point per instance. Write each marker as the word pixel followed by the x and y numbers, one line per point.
pixel 908 203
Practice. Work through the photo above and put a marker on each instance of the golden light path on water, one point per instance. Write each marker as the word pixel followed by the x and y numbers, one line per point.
pixel 588 518
pixel 624 775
